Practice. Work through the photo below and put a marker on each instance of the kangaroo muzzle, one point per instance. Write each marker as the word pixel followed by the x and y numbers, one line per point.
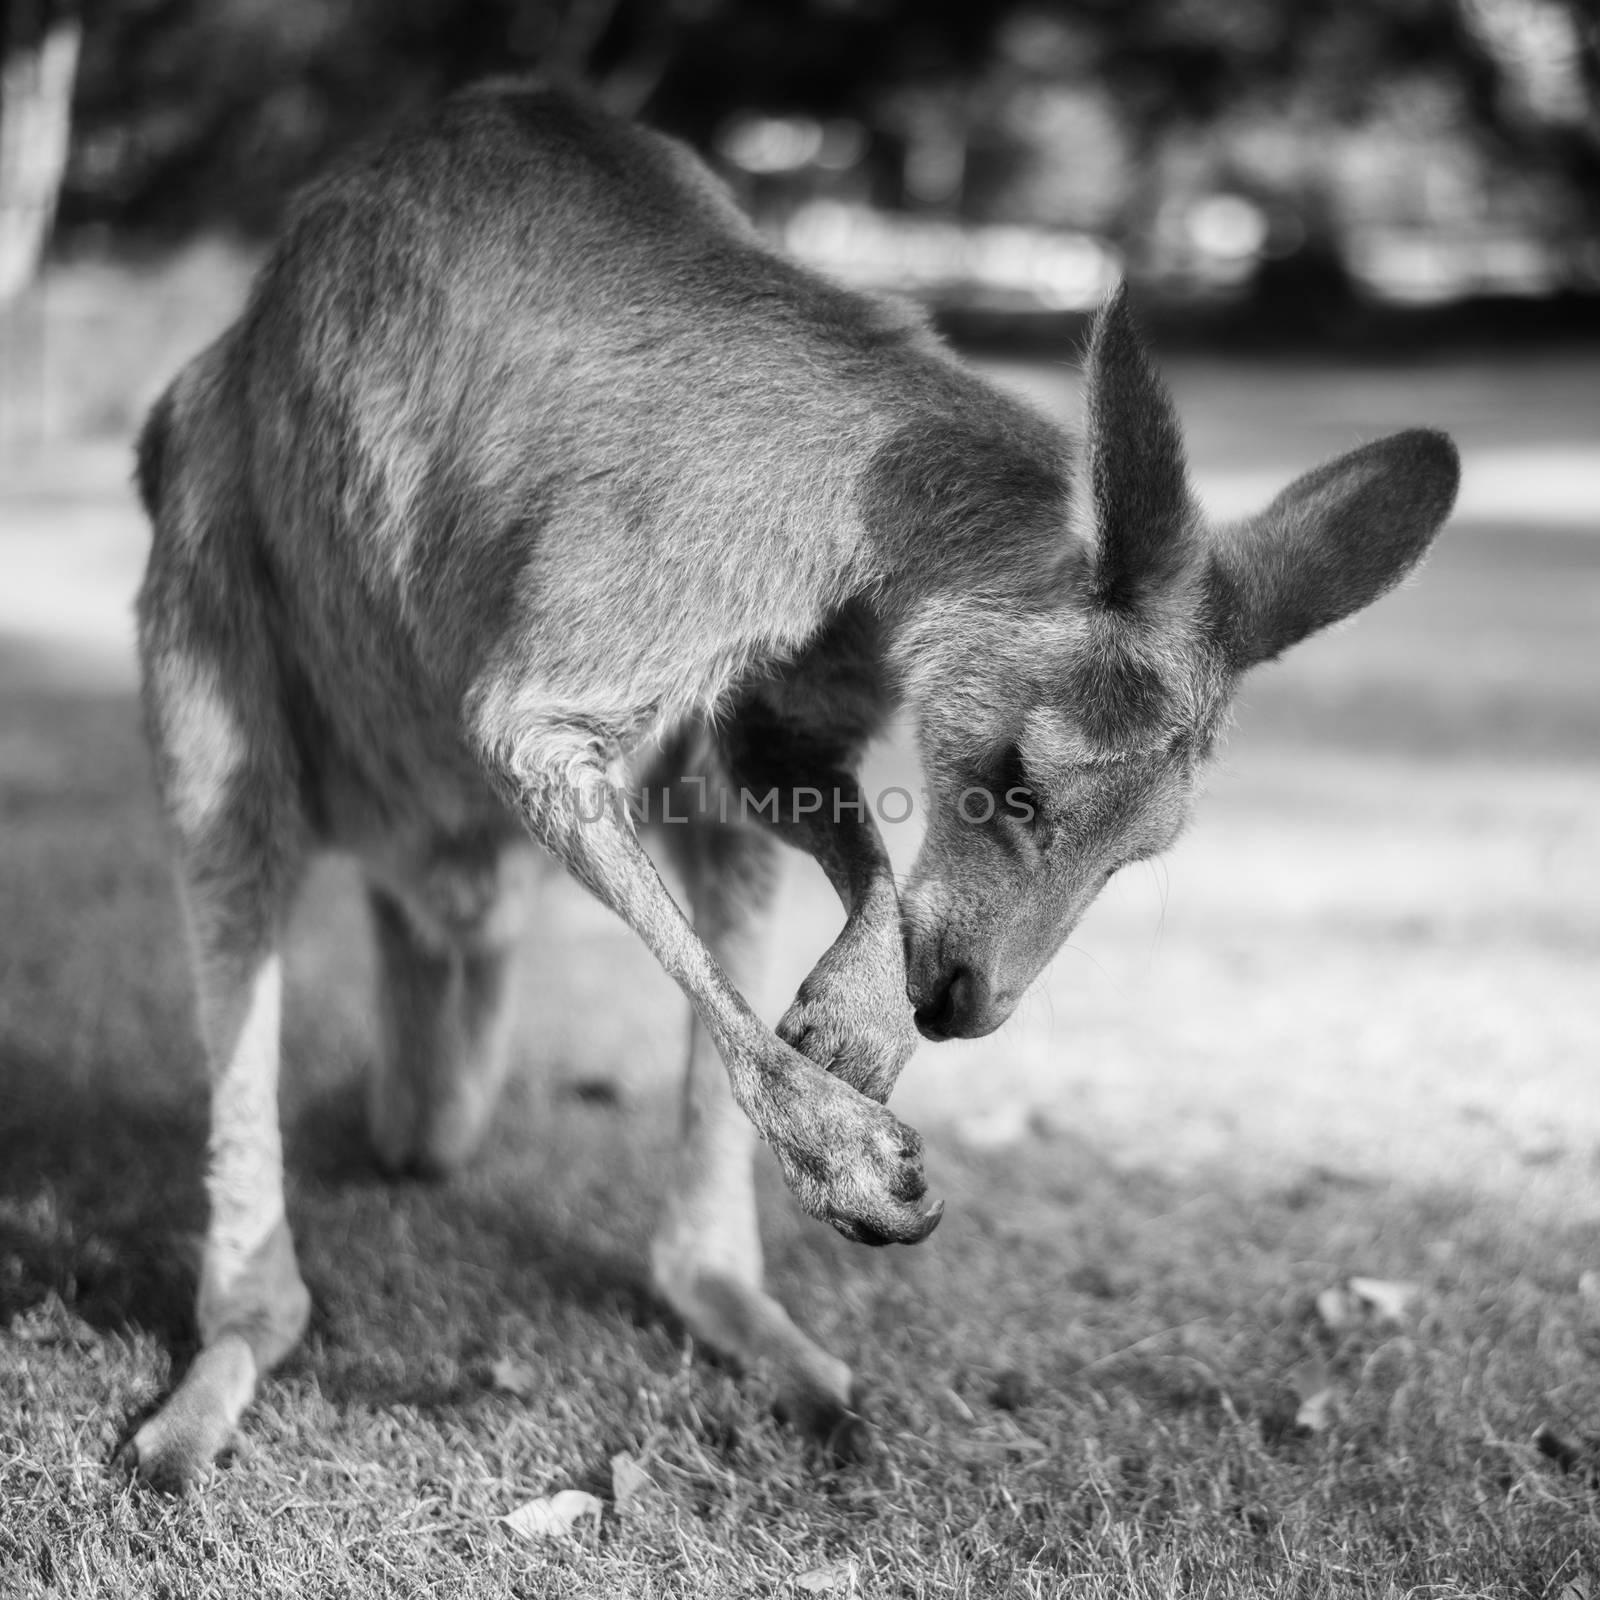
pixel 950 998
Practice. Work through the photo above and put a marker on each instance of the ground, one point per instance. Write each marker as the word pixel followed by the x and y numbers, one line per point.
pixel 1344 1030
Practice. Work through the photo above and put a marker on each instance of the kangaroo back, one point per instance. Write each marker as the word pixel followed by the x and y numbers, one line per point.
pixel 525 378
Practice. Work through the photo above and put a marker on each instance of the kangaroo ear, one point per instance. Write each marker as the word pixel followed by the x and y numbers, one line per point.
pixel 1133 495
pixel 1333 541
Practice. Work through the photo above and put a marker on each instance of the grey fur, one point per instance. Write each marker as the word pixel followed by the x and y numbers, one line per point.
pixel 529 458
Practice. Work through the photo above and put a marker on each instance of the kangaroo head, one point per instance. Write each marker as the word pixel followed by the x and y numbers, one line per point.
pixel 1064 736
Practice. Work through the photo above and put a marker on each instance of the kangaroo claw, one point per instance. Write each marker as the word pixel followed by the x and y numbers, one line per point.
pixel 914 1233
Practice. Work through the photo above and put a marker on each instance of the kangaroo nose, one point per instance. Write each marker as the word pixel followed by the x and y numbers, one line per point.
pixel 940 1016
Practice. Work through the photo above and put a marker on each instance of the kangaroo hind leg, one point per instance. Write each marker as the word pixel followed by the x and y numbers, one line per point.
pixel 445 919
pixel 230 791
pixel 706 1255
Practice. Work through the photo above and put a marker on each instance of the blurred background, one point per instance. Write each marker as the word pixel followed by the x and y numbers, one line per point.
pixel 1359 176
pixel 1307 165
pixel 1342 173
pixel 1340 217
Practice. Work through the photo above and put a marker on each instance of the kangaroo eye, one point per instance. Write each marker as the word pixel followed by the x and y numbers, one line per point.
pixel 1009 772
pixel 1008 781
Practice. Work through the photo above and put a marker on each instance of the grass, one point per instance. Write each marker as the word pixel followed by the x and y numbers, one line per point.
pixel 1347 1030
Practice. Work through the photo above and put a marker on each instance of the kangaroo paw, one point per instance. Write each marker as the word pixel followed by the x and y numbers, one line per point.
pixel 851 1015
pixel 853 1164
pixel 174 1450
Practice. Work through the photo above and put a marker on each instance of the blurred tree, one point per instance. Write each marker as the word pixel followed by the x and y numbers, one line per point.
pixel 1094 112
pixel 201 111
pixel 38 63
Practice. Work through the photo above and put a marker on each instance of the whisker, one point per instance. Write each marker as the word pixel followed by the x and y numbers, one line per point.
pixel 1163 885
pixel 1077 949
pixel 1049 1001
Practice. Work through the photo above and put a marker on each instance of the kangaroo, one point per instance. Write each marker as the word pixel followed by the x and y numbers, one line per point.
pixel 530 468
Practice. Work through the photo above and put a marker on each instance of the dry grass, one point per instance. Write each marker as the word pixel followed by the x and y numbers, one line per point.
pixel 1348 1030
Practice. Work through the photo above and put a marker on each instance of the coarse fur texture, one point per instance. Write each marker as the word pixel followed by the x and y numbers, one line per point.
pixel 530 469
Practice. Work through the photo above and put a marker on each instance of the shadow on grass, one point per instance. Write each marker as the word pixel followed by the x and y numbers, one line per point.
pixel 540 1224
pixel 100 1155
pixel 95 1191
pixel 103 1105
pixel 101 1202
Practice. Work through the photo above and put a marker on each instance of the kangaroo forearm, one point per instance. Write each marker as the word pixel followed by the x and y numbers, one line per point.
pixel 594 844
pixel 591 839
pixel 847 1160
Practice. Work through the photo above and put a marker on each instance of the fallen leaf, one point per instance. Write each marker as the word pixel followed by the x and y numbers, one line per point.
pixel 1316 1413
pixel 1387 1297
pixel 1339 1309
pixel 628 1479
pixel 512 1376
pixel 552 1516
pixel 1313 1382
pixel 835 1577
pixel 955 1405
